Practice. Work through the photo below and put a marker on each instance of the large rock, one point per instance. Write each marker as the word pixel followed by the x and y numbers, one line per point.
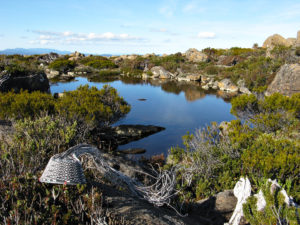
pixel 160 72
pixel 195 56
pixel 227 85
pixel 33 82
pixel 298 39
pixel 48 58
pixel 291 41
pixel 275 40
pixel 127 133
pixel 229 60
pixel 286 81
pixel 76 56
pixel 217 209
pixel 242 88
pixel 123 208
pixel 51 73
pixel 193 77
pixel 121 58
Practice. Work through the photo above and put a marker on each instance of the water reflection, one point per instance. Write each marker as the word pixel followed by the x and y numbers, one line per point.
pixel 177 106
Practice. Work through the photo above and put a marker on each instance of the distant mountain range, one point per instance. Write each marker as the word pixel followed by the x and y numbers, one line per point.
pixel 38 51
pixel 31 51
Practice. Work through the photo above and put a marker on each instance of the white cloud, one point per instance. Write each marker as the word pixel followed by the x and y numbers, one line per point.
pixel 107 35
pixel 206 35
pixel 44 42
pixel 68 37
pixel 192 7
pixel 67 33
pixel 168 8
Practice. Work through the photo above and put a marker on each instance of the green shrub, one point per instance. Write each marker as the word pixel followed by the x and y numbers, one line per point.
pixel 24 200
pixel 240 51
pixel 25 104
pixel 149 73
pixel 281 52
pixel 214 52
pixel 101 64
pixel 212 70
pixel 256 71
pixel 98 62
pixel 108 73
pixel 265 145
pixel 244 103
pixel 170 62
pixel 27 201
pixel 276 210
pixel 272 157
pixel 274 103
pixel 62 65
pixel 203 65
pixel 88 105
pixel 19 70
pixel 208 163
pixel 35 140
pixel 18 65
pixel 96 107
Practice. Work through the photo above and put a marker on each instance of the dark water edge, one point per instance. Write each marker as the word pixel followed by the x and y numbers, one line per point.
pixel 180 107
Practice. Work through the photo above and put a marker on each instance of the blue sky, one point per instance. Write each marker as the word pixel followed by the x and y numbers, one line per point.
pixel 135 26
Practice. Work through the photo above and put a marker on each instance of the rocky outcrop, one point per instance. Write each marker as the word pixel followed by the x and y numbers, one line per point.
pixel 76 56
pixel 127 133
pixel 193 77
pixel 48 58
pixel 275 40
pixel 121 58
pixel 227 85
pixel 124 209
pixel 51 73
pixel 242 88
pixel 291 41
pixel 229 60
pixel 111 137
pixel 123 206
pixel 286 81
pixel 297 44
pixel 216 209
pixel 196 56
pixel 32 82
pixel 160 72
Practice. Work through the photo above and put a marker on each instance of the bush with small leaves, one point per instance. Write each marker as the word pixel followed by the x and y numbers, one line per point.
pixel 62 65
pixel 93 106
pixel 25 104
pixel 276 210
pixel 86 104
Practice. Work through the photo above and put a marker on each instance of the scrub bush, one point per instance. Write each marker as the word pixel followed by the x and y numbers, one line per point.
pixel 62 65
pixel 276 210
pixel 265 145
pixel 86 104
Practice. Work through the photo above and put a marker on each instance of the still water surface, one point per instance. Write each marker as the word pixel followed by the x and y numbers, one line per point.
pixel 179 107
